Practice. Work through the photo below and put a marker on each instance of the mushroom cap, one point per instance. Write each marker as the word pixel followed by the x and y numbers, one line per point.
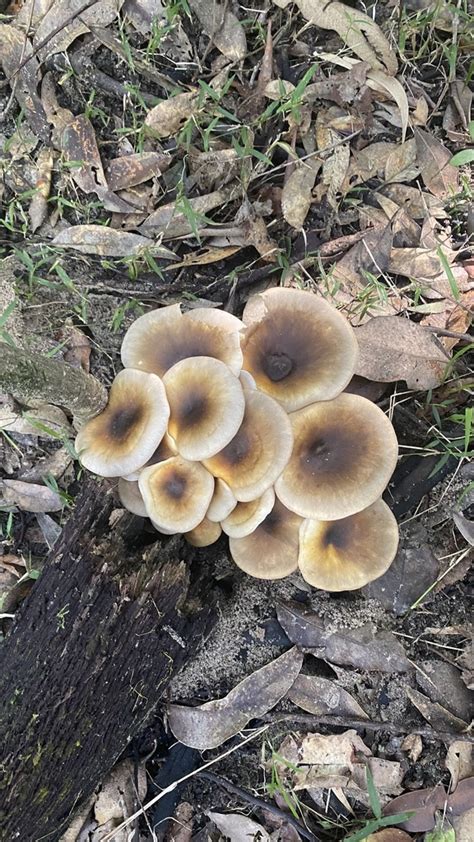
pixel 344 454
pixel 126 434
pixel 247 516
pixel 271 550
pixel 248 382
pixel 222 504
pixel 165 450
pixel 131 498
pixel 177 494
pixel 160 338
pixel 207 406
pixel 204 534
pixel 341 555
pixel 259 451
pixel 298 348
pixel 216 318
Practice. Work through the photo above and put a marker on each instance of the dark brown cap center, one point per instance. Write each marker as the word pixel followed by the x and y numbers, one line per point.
pixel 175 486
pixel 193 409
pixel 237 450
pixel 336 536
pixel 277 366
pixel 123 420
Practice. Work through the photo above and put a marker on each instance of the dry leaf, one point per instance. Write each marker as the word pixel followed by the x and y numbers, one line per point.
pixel 393 348
pixel 212 723
pixel 296 196
pixel 455 316
pixel 14 46
pixel 423 802
pixel 130 170
pixel 460 761
pixel 29 497
pixel 389 834
pixel 357 30
pixel 413 571
pixel 46 421
pixel 367 163
pixel 222 27
pixel 39 201
pixel 370 256
pixel 441 681
pixel 401 163
pixel 278 88
pixel 167 118
pixel 171 222
pixel 57 36
pixel 437 715
pixel 433 159
pixel 321 696
pixel 254 231
pixel 238 828
pixel 98 239
pixel 413 745
pixel 205 256
pixel 418 204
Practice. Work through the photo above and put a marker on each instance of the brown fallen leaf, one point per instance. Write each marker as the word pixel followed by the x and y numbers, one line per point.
pixel 237 828
pixel 362 647
pixel 29 497
pixel 367 163
pixel 370 256
pixel 418 204
pixel 46 421
pixel 321 696
pixel 130 170
pixel 98 239
pixel 393 348
pixel 424 803
pixel 39 202
pixel 438 716
pixel 77 347
pixel 401 164
pixel 455 316
pixel 460 761
pixel 433 159
pixel 204 256
pixel 255 233
pixel 14 49
pixel 297 193
pixel 222 27
pixel 171 222
pixel 213 169
pixel 389 834
pixel 413 571
pixel 441 682
pixel 168 117
pixel 64 22
pixel 357 30
pixel 212 723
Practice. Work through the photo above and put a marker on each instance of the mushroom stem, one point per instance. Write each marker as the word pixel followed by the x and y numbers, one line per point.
pixel 34 380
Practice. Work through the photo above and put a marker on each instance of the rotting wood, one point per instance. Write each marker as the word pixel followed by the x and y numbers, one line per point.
pixel 89 655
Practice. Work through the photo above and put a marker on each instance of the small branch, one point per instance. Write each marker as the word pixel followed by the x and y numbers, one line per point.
pixel 34 380
pixel 463 338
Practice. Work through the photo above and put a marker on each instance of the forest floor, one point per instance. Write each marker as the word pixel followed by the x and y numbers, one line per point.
pixel 155 153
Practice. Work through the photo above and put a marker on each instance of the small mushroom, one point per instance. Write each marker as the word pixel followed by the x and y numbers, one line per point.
pixel 176 493
pixel 341 555
pixel 131 498
pixel 298 347
pixel 247 516
pixel 160 338
pixel 204 534
pixel 222 503
pixel 165 450
pixel 125 435
pixel 344 454
pixel 259 451
pixel 207 406
pixel 271 550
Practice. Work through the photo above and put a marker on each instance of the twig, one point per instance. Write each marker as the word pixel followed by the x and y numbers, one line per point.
pixel 260 803
pixel 461 337
pixel 367 724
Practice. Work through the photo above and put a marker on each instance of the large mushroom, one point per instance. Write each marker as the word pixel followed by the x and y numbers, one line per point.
pixel 207 406
pixel 176 494
pixel 298 348
pixel 342 555
pixel 271 550
pixel 344 454
pixel 259 451
pixel 165 450
pixel 125 435
pixel 204 534
pixel 247 516
pixel 160 338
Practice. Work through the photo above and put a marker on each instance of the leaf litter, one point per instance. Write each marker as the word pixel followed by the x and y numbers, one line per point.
pixel 260 158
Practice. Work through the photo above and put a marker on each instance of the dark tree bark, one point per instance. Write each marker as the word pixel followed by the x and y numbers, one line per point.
pixel 91 651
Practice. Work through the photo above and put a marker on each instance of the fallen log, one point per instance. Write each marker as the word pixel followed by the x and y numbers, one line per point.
pixel 91 652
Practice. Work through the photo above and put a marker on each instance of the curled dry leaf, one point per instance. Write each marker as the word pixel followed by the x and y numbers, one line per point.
pixel 401 163
pixel 460 761
pixel 168 117
pixel 321 696
pixel 222 27
pixel 438 716
pixel 171 222
pixel 411 574
pixel 130 170
pixel 369 256
pixel 433 159
pixel 423 803
pixel 64 22
pixel 442 682
pixel 211 724
pixel 357 30
pixel 98 239
pixel 29 497
pixel 39 201
pixel 14 49
pixel 418 204
pixel 296 196
pixel 236 828
pixel 47 421
pixel 392 348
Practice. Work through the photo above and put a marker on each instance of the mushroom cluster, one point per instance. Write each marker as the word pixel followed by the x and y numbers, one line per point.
pixel 243 427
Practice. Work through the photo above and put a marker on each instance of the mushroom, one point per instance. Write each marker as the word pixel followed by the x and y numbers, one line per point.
pixel 298 348
pixel 216 318
pixel 344 454
pixel 222 503
pixel 247 380
pixel 341 555
pixel 247 516
pixel 271 550
pixel 126 434
pixel 207 406
pixel 259 451
pixel 204 534
pixel 160 338
pixel 165 450
pixel 176 493
pixel 131 498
